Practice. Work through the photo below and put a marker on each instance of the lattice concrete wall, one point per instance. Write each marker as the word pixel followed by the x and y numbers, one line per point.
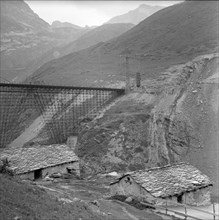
pixel 47 114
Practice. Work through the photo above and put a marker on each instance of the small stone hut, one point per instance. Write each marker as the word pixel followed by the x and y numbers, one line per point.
pixel 172 184
pixel 39 161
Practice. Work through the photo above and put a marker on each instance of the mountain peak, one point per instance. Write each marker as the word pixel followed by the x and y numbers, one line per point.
pixel 59 24
pixel 149 6
pixel 18 16
pixel 137 15
pixel 158 41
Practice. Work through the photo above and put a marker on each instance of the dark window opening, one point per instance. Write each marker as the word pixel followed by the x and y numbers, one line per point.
pixel 71 170
pixel 179 199
pixel 129 180
pixel 38 174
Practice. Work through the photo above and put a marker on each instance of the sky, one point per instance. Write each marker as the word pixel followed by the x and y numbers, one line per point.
pixel 82 13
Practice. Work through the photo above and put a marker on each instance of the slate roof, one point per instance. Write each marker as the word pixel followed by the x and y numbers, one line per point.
pixel 29 159
pixel 169 180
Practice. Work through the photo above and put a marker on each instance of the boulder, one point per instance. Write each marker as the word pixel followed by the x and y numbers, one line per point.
pixel 129 199
pixel 56 175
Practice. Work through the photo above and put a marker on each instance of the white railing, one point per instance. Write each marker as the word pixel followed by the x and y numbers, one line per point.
pixel 186 207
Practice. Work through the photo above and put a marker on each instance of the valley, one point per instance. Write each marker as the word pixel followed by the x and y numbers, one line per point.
pixel 157 43
pixel 171 118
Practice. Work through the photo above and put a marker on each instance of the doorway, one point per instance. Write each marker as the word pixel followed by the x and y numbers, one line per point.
pixel 179 198
pixel 38 174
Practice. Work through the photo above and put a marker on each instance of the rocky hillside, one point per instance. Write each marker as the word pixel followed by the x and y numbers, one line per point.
pixel 135 16
pixel 25 37
pixel 154 45
pixel 17 17
pixel 170 119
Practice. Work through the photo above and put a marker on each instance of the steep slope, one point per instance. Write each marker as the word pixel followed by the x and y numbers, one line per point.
pixel 171 118
pixel 66 199
pixel 97 35
pixel 17 17
pixel 20 200
pixel 25 36
pixel 135 16
pixel 159 41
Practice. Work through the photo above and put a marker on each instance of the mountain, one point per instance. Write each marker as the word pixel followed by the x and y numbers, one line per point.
pixel 29 201
pixel 154 45
pixel 136 15
pixel 17 17
pixel 25 36
pixel 97 35
pixel 59 24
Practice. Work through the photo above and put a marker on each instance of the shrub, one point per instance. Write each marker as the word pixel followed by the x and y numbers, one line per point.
pixel 5 167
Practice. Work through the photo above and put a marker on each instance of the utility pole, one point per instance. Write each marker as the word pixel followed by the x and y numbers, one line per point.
pixel 127 74
pixel 127 57
pixel 126 54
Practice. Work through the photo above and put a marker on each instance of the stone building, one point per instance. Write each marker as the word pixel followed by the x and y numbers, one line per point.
pixel 177 183
pixel 40 161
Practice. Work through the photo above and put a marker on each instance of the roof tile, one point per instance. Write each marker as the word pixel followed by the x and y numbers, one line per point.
pixel 28 159
pixel 171 179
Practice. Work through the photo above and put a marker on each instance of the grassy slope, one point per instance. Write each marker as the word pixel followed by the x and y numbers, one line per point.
pixel 65 200
pixel 30 202
pixel 172 35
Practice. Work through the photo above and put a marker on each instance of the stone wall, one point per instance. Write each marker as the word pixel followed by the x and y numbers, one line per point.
pixel 61 169
pixel 27 176
pixel 170 201
pixel 56 169
pixel 128 187
pixel 198 197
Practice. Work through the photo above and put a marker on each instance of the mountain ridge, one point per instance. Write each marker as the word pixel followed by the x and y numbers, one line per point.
pixel 158 41
pixel 58 24
pixel 136 15
pixel 95 36
pixel 25 37
pixel 26 17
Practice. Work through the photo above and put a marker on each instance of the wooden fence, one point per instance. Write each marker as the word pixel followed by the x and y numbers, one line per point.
pixel 186 207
